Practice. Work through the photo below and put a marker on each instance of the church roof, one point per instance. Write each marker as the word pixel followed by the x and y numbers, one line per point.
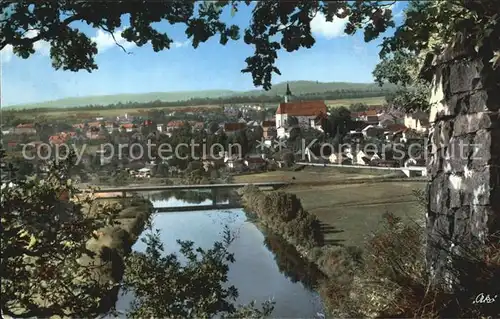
pixel 302 108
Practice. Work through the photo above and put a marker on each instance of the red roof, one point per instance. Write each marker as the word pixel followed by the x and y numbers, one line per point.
pixel 231 127
pixel 366 113
pixel 302 108
pixel 255 160
pixel 56 139
pixel 175 124
pixel 196 124
pixel 94 124
pixel 396 128
pixel 27 125
pixel 128 125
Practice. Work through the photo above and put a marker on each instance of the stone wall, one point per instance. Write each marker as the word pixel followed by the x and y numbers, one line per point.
pixel 463 154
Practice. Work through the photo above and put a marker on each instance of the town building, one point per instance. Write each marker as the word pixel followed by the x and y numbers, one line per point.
pixel 418 121
pixel 298 113
pixel 27 128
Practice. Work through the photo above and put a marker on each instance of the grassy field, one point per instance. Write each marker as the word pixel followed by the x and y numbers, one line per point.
pixel 366 100
pixel 312 175
pixel 297 87
pixel 350 211
pixel 77 114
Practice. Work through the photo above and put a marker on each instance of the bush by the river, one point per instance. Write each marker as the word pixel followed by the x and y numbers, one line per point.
pixel 283 213
pixel 290 263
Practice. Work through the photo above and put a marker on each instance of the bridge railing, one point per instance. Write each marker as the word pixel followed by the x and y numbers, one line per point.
pixel 129 189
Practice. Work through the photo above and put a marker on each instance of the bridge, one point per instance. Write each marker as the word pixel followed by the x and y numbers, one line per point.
pixel 411 171
pixel 213 187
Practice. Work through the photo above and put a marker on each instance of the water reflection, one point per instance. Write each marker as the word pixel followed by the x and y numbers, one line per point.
pixel 265 268
pixel 291 264
pixel 195 197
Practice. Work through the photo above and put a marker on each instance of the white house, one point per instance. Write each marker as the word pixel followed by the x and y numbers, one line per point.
pixel 341 158
pixel 366 157
pixel 418 121
pixel 372 131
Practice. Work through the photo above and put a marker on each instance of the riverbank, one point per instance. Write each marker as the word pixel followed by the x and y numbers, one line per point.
pixel 114 243
pixel 335 260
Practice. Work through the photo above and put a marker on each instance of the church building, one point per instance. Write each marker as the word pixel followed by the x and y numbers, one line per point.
pixel 292 113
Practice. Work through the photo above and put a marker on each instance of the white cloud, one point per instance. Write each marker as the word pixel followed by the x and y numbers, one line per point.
pixel 42 47
pixel 105 41
pixel 6 54
pixel 177 44
pixel 326 29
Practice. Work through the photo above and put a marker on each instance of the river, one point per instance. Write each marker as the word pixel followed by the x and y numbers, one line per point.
pixel 258 273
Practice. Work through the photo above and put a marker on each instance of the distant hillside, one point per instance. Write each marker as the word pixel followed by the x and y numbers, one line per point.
pixel 297 88
pixel 125 98
pixel 311 87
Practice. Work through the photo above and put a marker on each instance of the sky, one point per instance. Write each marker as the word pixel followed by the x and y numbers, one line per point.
pixel 334 57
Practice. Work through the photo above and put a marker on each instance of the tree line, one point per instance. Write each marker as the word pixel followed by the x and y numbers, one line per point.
pixel 250 99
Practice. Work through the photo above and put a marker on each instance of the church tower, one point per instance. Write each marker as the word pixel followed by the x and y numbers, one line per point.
pixel 288 94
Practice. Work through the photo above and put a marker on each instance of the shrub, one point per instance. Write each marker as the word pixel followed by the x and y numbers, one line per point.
pixel 283 213
pixel 393 281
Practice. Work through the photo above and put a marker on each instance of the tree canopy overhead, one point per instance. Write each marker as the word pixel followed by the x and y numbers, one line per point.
pixel 275 25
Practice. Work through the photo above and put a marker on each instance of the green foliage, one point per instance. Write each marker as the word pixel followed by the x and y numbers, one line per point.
pixel 43 238
pixel 358 107
pixel 339 122
pixel 180 295
pixel 402 69
pixel 121 178
pixel 306 90
pixel 283 213
pixel 73 50
pixel 291 263
pixel 392 279
pixel 48 268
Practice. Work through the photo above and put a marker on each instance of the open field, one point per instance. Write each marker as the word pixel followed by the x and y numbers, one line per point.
pixel 76 113
pixel 69 113
pixel 297 87
pixel 380 100
pixel 352 212
pixel 349 202
pixel 313 175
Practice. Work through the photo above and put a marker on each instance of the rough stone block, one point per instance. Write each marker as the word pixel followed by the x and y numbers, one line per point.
pixel 462 213
pixel 443 133
pixel 470 123
pixel 456 190
pixel 434 165
pixel 443 227
pixel 477 183
pixel 438 193
pixel 461 231
pixel 482 154
pixel 465 76
pixel 476 102
pixel 457 154
pixel 479 221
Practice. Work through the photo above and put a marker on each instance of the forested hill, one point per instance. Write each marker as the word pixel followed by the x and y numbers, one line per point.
pixel 300 89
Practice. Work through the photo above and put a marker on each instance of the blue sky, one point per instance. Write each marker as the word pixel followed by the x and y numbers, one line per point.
pixel 334 57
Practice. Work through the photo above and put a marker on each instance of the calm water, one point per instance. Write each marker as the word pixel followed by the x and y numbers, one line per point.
pixel 255 273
